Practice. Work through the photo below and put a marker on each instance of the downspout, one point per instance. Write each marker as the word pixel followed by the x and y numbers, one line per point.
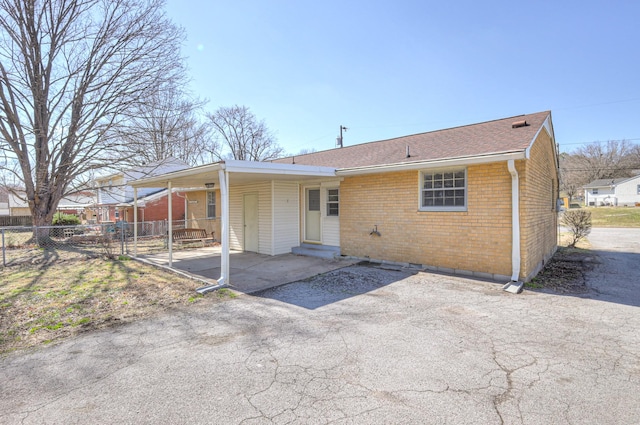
pixel 514 286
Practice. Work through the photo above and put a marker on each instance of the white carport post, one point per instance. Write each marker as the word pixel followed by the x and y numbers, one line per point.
pixel 223 176
pixel 135 221
pixel 170 229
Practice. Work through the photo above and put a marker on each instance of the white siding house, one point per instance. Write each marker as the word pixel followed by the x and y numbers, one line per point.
pixel 275 229
pixel 614 192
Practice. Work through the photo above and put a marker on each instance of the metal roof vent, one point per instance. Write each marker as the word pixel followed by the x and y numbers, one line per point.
pixel 518 124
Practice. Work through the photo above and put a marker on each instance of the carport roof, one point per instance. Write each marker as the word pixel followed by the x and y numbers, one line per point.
pixel 240 172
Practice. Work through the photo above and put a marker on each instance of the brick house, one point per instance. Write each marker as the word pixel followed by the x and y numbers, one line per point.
pixel 477 200
pixel 114 194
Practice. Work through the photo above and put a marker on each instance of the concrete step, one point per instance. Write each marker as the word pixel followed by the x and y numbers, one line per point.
pixel 311 250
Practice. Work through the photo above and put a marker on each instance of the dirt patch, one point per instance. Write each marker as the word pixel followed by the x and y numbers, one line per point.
pixel 565 273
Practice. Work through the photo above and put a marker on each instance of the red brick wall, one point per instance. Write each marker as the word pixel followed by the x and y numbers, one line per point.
pixel 158 209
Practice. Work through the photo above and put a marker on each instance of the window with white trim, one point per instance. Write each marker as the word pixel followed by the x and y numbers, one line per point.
pixel 443 190
pixel 211 204
pixel 594 191
pixel 333 202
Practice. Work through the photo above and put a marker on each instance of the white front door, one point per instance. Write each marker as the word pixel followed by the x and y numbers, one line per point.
pixel 312 216
pixel 251 222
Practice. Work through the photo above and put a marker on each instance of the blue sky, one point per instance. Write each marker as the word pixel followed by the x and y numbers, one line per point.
pixel 387 69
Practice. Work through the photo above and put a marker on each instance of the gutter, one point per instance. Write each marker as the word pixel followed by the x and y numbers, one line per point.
pixel 515 286
pixel 438 163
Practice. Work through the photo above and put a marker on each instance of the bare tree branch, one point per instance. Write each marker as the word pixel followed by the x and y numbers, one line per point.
pixel 246 138
pixel 613 159
pixel 167 124
pixel 70 70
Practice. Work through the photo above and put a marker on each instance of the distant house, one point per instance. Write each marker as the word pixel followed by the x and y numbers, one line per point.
pixel 115 195
pixel 477 200
pixel 4 202
pixel 18 206
pixel 76 203
pixel 614 192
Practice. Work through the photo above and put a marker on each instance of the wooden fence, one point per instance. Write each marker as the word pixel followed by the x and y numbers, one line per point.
pixel 10 221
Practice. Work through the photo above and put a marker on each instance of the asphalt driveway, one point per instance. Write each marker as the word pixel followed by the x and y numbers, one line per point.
pixel 357 345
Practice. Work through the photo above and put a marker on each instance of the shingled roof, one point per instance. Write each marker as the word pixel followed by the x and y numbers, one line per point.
pixel 605 182
pixel 507 135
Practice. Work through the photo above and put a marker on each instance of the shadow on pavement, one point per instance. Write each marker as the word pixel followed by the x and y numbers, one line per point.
pixel 335 286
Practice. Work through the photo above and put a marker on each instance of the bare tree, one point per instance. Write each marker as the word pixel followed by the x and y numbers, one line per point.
pixel 246 138
pixel 168 124
pixel 69 71
pixel 613 159
pixel 571 180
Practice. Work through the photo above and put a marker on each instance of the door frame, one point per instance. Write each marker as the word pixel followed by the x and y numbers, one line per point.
pixel 244 221
pixel 305 200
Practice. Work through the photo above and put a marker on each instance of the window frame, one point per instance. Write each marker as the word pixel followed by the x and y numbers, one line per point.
pixel 335 203
pixel 442 208
pixel 211 194
pixel 595 191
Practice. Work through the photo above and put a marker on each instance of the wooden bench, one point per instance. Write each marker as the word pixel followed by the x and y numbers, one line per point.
pixel 183 236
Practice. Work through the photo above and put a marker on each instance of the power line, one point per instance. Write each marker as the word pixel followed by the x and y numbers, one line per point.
pixel 597 141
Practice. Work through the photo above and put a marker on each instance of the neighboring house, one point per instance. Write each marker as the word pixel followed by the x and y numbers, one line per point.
pixel 154 207
pixel 477 200
pixel 4 202
pixel 614 192
pixel 115 195
pixel 18 206
pixel 75 203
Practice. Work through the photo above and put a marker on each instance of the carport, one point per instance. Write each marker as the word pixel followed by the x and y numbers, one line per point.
pixel 226 175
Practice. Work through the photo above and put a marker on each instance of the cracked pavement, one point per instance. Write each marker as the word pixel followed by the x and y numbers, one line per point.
pixel 359 345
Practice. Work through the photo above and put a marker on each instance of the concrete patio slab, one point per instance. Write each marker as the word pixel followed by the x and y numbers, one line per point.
pixel 249 272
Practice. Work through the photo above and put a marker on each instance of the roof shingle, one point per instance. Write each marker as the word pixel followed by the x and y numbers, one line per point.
pixel 485 138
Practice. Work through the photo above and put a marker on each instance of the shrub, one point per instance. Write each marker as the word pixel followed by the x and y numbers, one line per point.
pixel 60 219
pixel 579 224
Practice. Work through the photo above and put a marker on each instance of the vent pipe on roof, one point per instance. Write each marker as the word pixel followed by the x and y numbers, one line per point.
pixel 518 124
pixel 408 154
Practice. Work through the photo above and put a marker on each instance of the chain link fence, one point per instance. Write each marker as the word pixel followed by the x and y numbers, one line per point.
pixel 35 245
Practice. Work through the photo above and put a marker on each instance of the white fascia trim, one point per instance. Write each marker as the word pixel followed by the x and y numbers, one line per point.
pixel 255 167
pixel 439 163
pixel 163 179
pixel 546 125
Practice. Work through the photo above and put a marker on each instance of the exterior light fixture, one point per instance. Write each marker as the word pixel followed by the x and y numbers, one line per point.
pixel 210 185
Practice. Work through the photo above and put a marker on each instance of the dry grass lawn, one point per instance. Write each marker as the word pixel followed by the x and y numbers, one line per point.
pixel 45 303
pixel 615 216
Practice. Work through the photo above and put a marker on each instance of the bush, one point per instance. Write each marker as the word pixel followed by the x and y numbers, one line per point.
pixel 579 224
pixel 60 219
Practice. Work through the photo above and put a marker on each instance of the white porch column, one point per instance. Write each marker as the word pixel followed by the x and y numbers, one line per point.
pixel 135 221
pixel 170 229
pixel 223 176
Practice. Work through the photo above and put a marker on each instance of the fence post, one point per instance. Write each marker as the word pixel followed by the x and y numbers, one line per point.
pixel 4 259
pixel 122 230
